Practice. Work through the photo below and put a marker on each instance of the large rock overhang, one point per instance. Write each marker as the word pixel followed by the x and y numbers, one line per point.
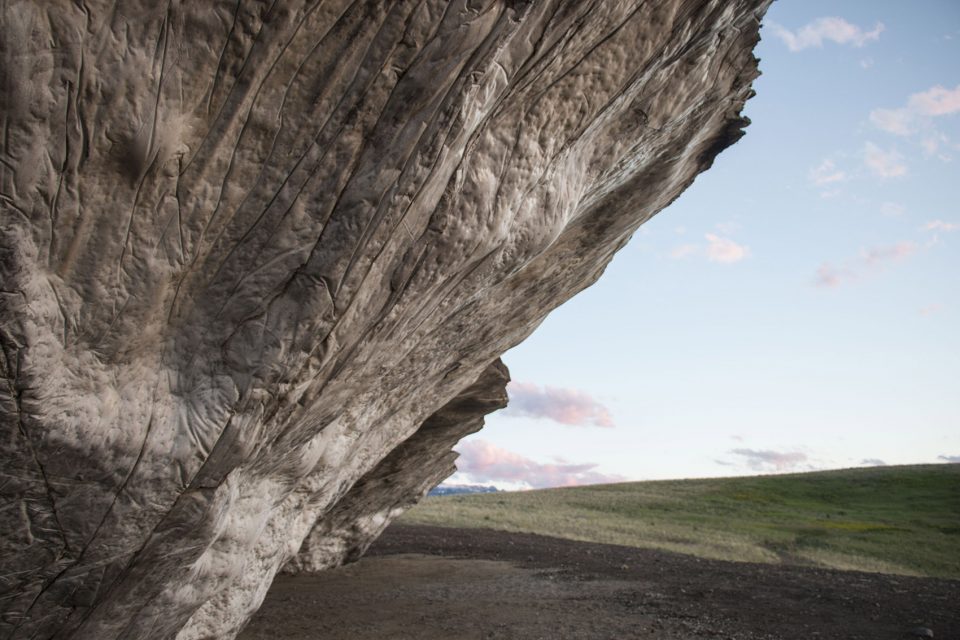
pixel 250 249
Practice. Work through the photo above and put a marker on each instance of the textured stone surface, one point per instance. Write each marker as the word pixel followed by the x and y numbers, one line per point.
pixel 248 249
pixel 402 478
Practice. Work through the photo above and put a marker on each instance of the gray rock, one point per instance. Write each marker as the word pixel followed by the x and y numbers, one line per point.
pixel 921 632
pixel 256 260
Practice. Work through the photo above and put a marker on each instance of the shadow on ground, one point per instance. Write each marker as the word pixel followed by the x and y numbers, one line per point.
pixel 431 583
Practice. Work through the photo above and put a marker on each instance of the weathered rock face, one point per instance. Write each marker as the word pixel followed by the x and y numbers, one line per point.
pixel 402 478
pixel 258 257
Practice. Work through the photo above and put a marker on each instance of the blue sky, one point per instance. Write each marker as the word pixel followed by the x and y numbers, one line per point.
pixel 797 308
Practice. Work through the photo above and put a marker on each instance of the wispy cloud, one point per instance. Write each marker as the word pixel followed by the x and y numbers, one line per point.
pixel 827 173
pixel 766 459
pixel 940 225
pixel 829 275
pixel 885 164
pixel 931 309
pixel 717 248
pixel 725 250
pixel 920 109
pixel 936 101
pixel 918 116
pixel 873 462
pixel 953 459
pixel 896 121
pixel 566 406
pixel 932 143
pixel 821 30
pixel 486 463
pixel 880 255
pixel 935 227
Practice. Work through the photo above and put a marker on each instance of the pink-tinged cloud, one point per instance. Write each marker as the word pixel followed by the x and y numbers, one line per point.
pixel 931 145
pixel 765 460
pixel 725 250
pixel 936 101
pixel 830 276
pixel 940 225
pixel 717 249
pixel 821 30
pixel 827 173
pixel 486 463
pixel 919 111
pixel 884 164
pixel 931 309
pixel 566 406
pixel 899 122
pixel 880 255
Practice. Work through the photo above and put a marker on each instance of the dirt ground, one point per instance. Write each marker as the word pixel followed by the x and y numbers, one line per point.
pixel 431 583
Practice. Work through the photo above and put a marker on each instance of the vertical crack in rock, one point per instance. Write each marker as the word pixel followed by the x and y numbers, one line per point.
pixel 256 260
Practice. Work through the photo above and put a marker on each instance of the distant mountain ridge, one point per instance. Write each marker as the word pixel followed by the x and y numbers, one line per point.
pixel 457 489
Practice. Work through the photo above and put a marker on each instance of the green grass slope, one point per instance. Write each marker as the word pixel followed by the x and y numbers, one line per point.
pixel 885 519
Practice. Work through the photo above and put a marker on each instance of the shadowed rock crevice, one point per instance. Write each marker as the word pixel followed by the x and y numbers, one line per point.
pixel 248 249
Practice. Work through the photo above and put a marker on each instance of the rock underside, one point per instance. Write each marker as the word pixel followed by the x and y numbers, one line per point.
pixel 258 261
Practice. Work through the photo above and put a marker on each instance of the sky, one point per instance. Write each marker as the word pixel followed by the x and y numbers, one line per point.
pixel 797 308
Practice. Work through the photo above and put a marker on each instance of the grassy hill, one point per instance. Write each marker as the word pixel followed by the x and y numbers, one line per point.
pixel 885 519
